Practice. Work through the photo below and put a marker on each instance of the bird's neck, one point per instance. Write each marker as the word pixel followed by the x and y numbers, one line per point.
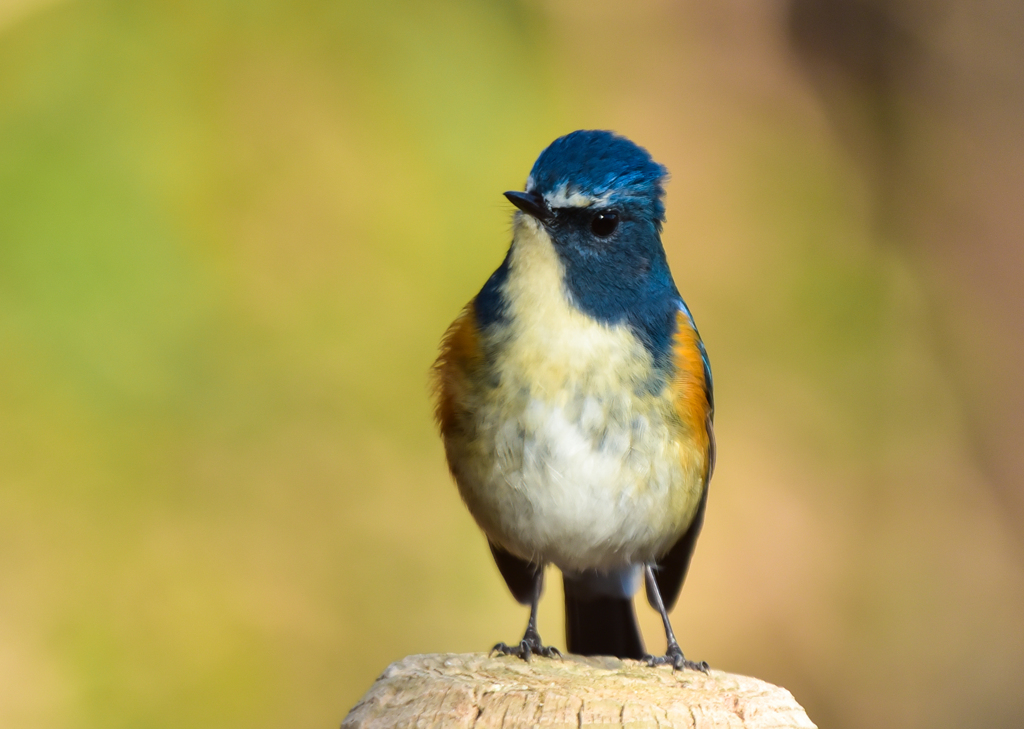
pixel 545 332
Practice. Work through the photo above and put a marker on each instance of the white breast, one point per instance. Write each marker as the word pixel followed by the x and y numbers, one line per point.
pixel 573 461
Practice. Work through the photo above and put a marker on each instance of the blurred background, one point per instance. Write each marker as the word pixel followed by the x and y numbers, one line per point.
pixel 233 233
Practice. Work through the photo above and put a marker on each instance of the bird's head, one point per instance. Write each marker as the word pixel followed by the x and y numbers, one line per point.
pixel 594 179
pixel 598 196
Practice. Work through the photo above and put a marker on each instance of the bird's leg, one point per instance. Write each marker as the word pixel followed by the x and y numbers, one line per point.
pixel 673 654
pixel 530 643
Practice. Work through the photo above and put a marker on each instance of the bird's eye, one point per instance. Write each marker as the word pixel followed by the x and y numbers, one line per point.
pixel 604 223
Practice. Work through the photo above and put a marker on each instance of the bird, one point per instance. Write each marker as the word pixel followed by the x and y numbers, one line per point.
pixel 574 399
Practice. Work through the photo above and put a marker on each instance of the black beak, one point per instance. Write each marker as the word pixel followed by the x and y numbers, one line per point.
pixel 531 203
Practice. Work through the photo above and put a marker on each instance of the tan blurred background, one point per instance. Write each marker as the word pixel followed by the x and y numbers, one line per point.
pixel 232 234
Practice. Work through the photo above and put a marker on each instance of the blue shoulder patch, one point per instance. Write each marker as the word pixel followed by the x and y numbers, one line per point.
pixel 490 305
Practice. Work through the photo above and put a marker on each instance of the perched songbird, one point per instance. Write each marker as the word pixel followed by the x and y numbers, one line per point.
pixel 574 400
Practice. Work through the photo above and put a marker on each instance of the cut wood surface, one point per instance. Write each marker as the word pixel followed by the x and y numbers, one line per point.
pixel 477 690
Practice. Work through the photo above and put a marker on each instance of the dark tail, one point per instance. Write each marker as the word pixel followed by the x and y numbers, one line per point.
pixel 600 625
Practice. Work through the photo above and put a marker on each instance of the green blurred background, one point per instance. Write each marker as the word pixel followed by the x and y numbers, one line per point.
pixel 232 234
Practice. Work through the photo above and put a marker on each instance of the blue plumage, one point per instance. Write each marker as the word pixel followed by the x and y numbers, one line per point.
pixel 599 162
pixel 625 279
pixel 489 304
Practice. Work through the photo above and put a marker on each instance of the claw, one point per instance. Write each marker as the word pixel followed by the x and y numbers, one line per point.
pixel 526 649
pixel 675 658
pixel 530 644
pixel 550 652
pixel 501 648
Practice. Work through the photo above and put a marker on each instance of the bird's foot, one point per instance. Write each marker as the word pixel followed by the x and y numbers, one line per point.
pixel 529 646
pixel 674 657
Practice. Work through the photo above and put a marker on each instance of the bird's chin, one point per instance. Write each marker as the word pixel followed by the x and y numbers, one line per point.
pixel 526 222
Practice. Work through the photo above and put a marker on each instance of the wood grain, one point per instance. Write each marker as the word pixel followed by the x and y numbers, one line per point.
pixel 482 692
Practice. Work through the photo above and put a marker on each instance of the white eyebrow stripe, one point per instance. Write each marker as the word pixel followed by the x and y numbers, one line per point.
pixel 564 197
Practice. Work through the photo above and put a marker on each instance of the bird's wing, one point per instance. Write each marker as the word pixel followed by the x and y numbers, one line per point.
pixel 519 574
pixel 694 399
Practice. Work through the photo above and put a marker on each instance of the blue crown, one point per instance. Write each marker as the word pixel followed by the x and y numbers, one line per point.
pixel 600 165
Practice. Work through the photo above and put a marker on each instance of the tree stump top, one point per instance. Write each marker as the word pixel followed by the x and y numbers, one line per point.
pixel 478 691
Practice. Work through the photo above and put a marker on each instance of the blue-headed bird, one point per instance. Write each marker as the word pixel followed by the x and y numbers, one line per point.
pixel 574 398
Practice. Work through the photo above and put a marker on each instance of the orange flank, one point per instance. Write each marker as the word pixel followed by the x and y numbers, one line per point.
pixel 455 367
pixel 690 388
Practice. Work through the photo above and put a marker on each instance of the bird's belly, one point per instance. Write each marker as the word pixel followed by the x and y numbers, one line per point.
pixel 584 481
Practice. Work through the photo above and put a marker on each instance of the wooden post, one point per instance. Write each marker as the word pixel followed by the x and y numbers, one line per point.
pixel 478 691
